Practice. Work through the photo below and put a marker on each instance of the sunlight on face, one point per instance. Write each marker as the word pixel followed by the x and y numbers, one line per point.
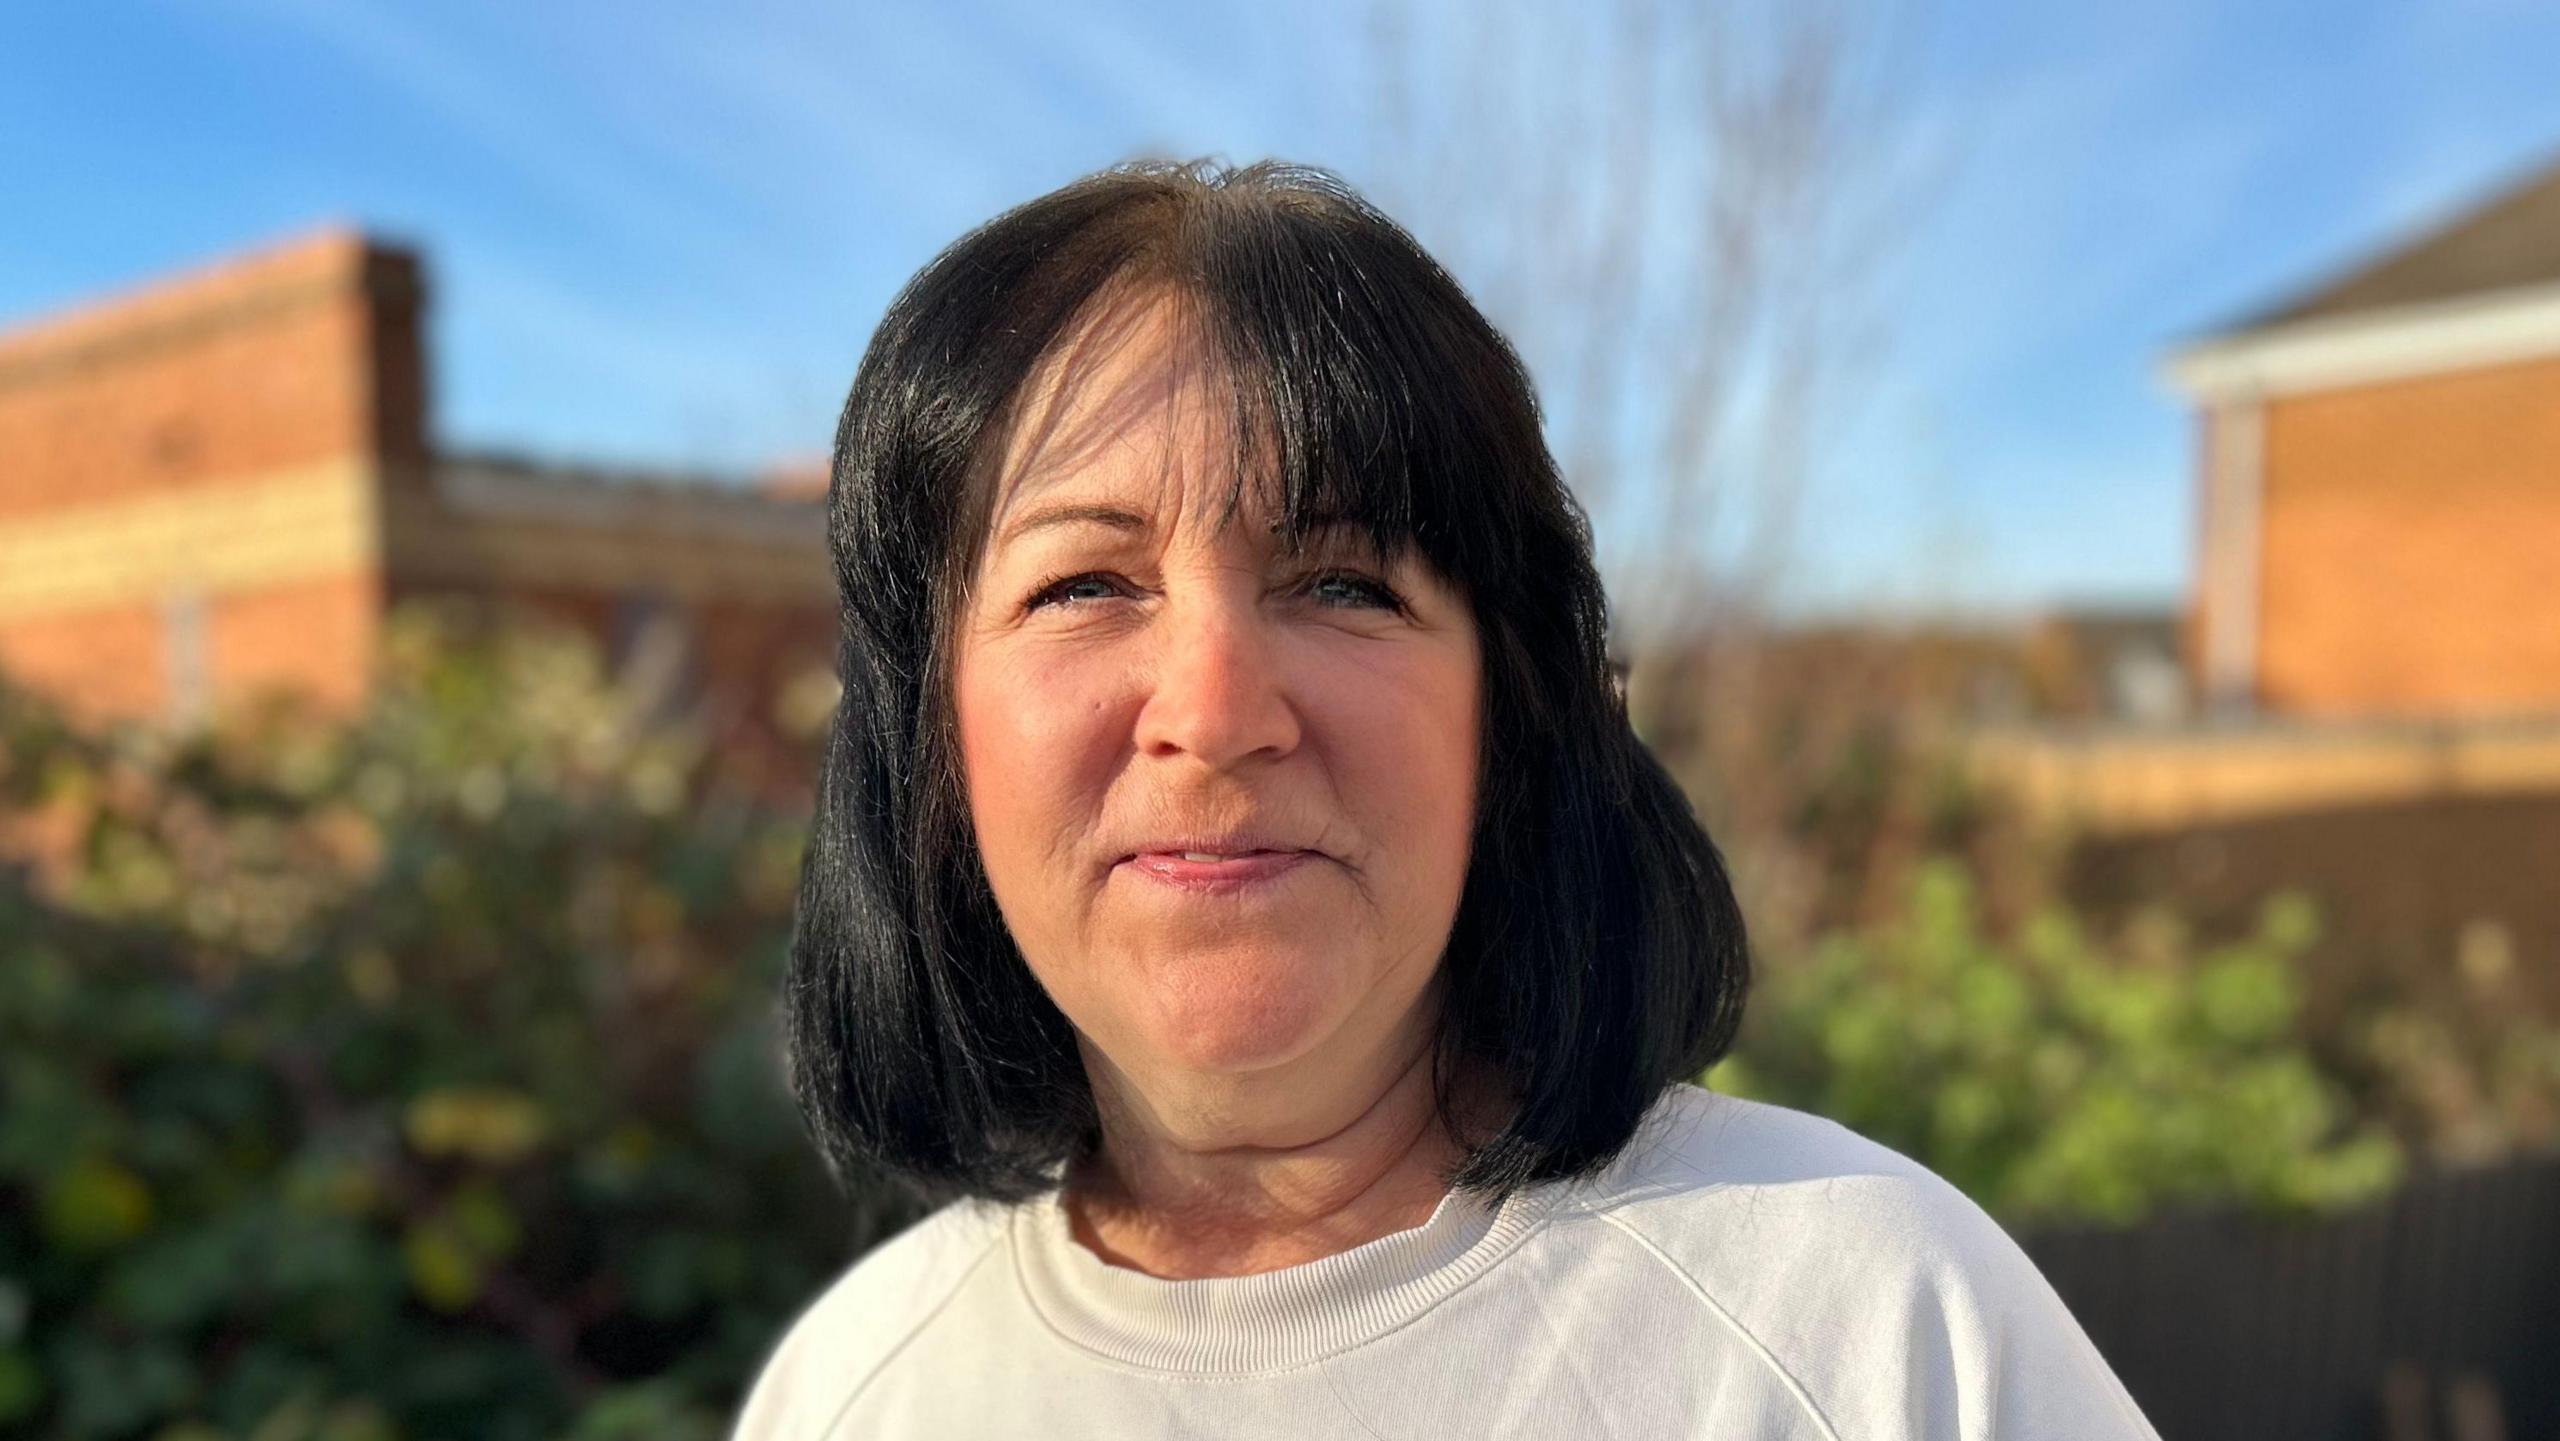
pixel 1134 680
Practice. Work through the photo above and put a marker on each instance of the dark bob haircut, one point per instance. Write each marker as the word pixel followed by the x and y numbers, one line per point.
pixel 1597 955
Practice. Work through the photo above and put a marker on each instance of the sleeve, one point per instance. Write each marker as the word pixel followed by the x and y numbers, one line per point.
pixel 1995 1354
pixel 790 1399
pixel 1889 1304
pixel 860 1321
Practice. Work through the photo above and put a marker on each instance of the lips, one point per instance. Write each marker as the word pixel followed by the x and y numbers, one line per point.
pixel 1217 873
pixel 1211 846
pixel 1216 862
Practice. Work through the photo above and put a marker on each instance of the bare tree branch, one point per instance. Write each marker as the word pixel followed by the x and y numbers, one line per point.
pixel 1678 212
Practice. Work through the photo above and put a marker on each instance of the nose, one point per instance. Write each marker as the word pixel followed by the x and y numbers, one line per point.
pixel 1218 694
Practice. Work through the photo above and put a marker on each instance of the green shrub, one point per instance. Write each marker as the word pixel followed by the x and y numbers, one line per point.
pixel 417 1078
pixel 2056 1078
pixel 409 1079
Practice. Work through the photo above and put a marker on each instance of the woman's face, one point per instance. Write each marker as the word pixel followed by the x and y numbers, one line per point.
pixel 1135 682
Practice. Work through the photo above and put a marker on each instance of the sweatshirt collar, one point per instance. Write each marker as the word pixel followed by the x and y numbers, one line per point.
pixel 1231 1325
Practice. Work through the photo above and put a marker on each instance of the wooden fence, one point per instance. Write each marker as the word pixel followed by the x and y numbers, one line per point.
pixel 2110 780
pixel 2433 1315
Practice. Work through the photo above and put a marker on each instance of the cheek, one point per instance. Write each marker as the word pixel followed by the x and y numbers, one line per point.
pixel 1035 754
pixel 1424 753
pixel 1409 758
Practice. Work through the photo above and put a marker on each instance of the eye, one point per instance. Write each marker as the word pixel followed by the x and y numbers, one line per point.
pixel 1070 588
pixel 1349 589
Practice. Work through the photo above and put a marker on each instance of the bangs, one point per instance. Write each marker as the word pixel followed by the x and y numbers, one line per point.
pixel 1325 405
pixel 1369 393
pixel 1342 350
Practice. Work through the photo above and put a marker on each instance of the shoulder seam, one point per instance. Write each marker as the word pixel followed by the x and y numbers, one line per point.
pixel 1794 1387
pixel 949 1293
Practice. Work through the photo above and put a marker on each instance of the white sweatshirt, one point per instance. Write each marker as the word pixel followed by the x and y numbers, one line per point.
pixel 1741 1271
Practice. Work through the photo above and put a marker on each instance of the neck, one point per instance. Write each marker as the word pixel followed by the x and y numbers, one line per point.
pixel 1178 1207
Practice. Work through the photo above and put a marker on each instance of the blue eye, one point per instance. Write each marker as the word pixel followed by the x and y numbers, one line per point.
pixel 1063 588
pixel 1362 591
pixel 1333 589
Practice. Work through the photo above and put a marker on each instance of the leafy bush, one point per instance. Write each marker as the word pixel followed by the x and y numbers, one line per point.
pixel 409 1079
pixel 2057 1078
pixel 417 1078
pixel 2468 1075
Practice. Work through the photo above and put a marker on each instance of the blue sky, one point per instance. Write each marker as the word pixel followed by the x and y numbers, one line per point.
pixel 662 234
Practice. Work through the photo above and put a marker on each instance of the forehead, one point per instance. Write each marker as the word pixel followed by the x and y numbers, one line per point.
pixel 1130 406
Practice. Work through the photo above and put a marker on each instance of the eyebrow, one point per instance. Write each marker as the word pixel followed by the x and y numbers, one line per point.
pixel 1118 518
pixel 1072 513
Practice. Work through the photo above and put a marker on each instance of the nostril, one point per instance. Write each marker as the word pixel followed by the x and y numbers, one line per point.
pixel 1220 713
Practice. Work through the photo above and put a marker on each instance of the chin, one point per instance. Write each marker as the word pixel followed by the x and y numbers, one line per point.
pixel 1231 1019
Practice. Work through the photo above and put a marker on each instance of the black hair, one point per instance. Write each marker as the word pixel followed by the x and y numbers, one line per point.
pixel 1597 955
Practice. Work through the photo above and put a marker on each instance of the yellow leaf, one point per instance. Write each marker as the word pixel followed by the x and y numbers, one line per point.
pixel 441 1269
pixel 96 1204
pixel 482 1123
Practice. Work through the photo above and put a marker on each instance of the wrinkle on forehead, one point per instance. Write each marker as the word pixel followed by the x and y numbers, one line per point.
pixel 1138 375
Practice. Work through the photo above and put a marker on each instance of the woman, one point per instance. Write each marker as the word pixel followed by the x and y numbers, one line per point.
pixel 1236 889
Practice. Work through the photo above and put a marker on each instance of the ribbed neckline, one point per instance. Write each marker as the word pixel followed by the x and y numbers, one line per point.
pixel 1229 1325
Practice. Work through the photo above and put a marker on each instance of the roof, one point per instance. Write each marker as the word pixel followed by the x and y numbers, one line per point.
pixel 681 502
pixel 2509 241
pixel 190 303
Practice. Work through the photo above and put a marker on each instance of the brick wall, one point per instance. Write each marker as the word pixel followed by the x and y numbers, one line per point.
pixel 740 658
pixel 2411 547
pixel 740 577
pixel 190 480
pixel 215 486
pixel 2194 648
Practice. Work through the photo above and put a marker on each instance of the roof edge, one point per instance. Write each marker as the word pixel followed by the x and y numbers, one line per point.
pixel 2392 245
pixel 2335 351
pixel 334 256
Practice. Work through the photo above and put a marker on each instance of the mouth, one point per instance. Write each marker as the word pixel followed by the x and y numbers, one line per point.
pixel 1223 871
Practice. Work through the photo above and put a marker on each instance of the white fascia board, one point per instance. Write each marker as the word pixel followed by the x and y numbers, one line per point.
pixel 2409 340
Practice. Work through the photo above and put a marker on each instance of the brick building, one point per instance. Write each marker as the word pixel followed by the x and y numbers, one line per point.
pixel 2380 519
pixel 219 484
